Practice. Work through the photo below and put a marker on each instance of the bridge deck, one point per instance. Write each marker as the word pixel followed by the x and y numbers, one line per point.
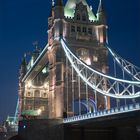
pixel 114 112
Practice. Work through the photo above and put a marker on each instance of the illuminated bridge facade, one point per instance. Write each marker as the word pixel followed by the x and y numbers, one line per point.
pixel 70 78
pixel 49 85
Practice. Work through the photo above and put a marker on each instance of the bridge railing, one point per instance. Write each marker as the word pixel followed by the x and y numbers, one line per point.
pixel 112 111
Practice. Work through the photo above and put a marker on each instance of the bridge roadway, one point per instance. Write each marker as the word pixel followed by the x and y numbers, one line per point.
pixel 116 126
pixel 103 113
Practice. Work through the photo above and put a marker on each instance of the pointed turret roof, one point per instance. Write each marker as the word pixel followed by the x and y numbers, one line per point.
pixel 24 60
pixel 53 3
pixel 100 7
pixel 70 9
pixel 101 13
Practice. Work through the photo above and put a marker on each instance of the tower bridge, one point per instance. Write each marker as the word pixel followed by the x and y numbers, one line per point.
pixel 70 81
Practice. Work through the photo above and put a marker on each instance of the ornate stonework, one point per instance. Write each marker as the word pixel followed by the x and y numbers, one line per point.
pixel 85 34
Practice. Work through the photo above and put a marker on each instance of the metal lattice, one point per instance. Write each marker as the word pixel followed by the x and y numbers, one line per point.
pixel 128 67
pixel 102 83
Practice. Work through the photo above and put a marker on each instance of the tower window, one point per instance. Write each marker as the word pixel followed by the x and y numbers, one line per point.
pixel 29 94
pixel 83 17
pixel 84 29
pixel 72 28
pixel 84 55
pixel 78 16
pixel 78 29
pixel 95 58
pixel 90 31
pixel 37 93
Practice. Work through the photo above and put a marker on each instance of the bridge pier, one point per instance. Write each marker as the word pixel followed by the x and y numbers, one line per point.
pixel 87 134
pixel 54 130
pixel 121 133
pixel 124 126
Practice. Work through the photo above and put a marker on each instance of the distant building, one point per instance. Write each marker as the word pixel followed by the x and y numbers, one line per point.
pixel 8 129
pixel 45 81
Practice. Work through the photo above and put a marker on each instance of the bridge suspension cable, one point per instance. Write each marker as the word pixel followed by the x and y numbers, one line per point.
pixel 128 67
pixel 100 82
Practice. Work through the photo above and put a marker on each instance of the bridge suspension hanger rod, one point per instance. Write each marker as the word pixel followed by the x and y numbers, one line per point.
pixel 112 82
pixel 128 67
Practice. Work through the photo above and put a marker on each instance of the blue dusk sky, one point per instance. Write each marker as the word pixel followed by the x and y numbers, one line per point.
pixel 24 21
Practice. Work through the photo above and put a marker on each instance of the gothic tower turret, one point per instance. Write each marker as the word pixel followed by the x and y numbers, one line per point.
pixel 23 66
pixel 55 21
pixel 55 30
pixel 102 28
pixel 22 72
pixel 101 13
pixel 58 18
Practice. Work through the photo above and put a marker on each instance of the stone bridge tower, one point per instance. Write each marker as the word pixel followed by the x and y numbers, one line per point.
pixel 86 35
pixel 46 86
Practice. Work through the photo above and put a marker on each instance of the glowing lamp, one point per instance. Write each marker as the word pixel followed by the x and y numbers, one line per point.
pixel 29 84
pixel 45 85
pixel 39 111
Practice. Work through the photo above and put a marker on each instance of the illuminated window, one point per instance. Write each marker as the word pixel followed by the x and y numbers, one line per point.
pixel 84 29
pixel 44 70
pixel 78 16
pixel 37 93
pixel 78 29
pixel 83 52
pixel 42 108
pixel 84 55
pixel 95 58
pixel 90 31
pixel 72 28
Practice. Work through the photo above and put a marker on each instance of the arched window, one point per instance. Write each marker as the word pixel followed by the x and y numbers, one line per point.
pixel 29 94
pixel 37 93
pixel 78 16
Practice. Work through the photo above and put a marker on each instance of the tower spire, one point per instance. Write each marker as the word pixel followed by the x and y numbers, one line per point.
pixel 24 60
pixel 101 7
pixel 101 13
pixel 53 3
pixel 59 2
